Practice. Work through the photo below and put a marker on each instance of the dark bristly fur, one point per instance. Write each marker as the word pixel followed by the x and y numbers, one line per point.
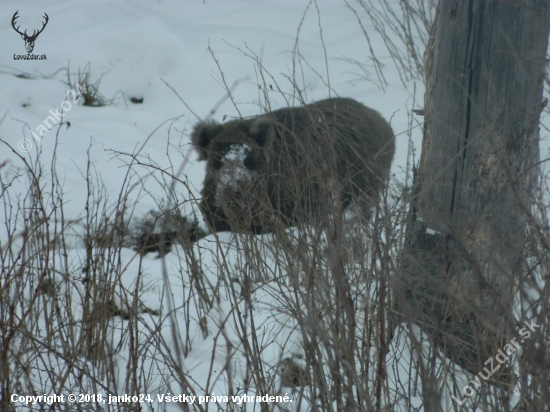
pixel 296 160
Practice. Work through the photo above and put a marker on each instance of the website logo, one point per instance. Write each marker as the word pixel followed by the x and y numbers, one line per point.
pixel 29 40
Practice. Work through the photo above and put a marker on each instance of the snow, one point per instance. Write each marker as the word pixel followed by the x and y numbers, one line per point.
pixel 144 49
pixel 432 232
pixel 233 173
pixel 237 153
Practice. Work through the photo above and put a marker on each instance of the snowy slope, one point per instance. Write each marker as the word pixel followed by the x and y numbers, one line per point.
pixel 134 46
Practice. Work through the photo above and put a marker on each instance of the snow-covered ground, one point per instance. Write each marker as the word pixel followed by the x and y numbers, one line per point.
pixel 180 57
pixel 137 47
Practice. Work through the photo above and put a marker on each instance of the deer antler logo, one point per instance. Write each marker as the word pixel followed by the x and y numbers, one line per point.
pixel 29 40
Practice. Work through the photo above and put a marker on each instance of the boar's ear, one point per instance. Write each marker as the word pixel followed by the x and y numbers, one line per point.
pixel 203 133
pixel 261 130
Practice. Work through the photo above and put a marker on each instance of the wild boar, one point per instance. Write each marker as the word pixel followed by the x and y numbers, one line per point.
pixel 284 167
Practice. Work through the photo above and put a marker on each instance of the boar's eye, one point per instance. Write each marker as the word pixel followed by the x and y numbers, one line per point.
pixel 249 162
pixel 217 161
